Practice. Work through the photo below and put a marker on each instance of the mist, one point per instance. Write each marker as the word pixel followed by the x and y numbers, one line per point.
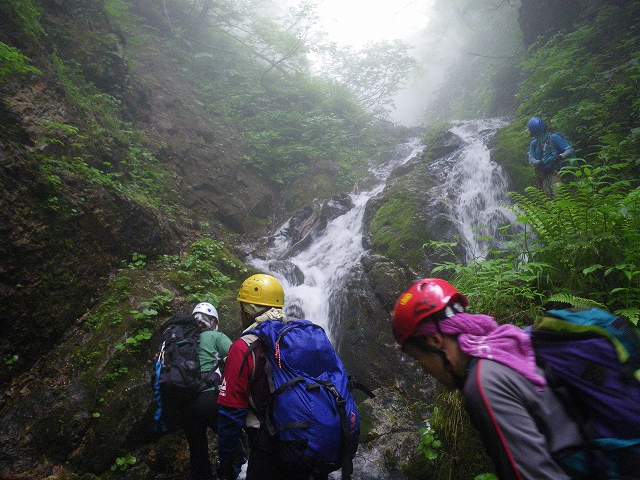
pixel 458 46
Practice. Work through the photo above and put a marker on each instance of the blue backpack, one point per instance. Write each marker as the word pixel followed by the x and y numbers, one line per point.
pixel 312 412
pixel 592 361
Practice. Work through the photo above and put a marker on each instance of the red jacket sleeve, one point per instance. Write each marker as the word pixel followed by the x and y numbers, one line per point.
pixel 234 391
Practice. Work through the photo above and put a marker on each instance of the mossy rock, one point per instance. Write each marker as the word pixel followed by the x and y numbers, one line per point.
pixel 509 149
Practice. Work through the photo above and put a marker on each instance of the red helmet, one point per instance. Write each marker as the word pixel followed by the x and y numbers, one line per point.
pixel 423 299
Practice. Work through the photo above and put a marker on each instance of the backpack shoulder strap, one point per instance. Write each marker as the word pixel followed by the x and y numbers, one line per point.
pixel 251 340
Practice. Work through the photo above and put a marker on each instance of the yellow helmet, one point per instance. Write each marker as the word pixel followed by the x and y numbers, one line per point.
pixel 261 289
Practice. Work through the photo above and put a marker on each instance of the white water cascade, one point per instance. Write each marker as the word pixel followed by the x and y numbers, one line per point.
pixel 470 191
pixel 474 189
pixel 334 253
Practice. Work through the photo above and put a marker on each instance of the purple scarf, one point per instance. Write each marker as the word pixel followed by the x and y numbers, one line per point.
pixel 480 336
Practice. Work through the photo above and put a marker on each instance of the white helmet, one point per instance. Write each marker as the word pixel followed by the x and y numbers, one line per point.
pixel 207 309
pixel 206 314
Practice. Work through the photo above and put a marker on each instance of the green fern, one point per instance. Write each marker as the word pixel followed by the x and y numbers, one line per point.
pixel 574 301
pixel 631 314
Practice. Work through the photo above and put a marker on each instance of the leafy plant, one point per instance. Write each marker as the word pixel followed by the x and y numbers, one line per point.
pixel 138 261
pixel 429 446
pixel 13 63
pixel 485 476
pixel 27 15
pixel 122 464
pixel 11 360
pixel 135 342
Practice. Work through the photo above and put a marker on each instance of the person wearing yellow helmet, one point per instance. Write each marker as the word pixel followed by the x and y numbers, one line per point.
pixel 244 393
pixel 261 298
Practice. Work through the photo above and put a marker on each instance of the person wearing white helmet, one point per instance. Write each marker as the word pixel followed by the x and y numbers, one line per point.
pixel 207 315
pixel 202 412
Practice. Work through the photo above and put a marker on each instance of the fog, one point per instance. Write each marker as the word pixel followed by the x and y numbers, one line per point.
pixel 458 46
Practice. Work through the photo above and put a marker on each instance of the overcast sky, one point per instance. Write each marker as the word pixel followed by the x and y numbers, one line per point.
pixel 358 22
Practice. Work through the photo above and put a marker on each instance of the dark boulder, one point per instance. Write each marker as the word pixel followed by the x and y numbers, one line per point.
pixel 288 270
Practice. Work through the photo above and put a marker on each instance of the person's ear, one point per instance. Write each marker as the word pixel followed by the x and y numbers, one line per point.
pixel 435 341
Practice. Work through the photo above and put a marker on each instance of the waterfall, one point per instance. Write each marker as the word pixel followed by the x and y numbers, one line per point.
pixel 474 189
pixel 470 191
pixel 333 254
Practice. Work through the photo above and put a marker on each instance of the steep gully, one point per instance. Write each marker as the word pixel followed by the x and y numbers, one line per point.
pixel 472 190
pixel 318 253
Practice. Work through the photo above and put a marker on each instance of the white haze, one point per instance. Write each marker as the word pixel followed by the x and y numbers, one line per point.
pixel 438 33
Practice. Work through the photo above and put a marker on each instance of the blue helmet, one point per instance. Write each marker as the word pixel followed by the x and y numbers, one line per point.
pixel 536 126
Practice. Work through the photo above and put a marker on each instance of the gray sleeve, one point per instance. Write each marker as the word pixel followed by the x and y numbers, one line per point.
pixel 498 407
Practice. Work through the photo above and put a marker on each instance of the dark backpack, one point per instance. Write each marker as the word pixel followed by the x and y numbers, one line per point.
pixel 592 361
pixel 312 412
pixel 176 376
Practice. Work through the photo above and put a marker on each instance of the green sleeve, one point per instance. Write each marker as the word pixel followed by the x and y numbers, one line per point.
pixel 223 344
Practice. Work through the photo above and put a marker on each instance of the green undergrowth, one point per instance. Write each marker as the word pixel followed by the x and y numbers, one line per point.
pixel 26 13
pixel 122 330
pixel 584 84
pixel 14 64
pixel 449 446
pixel 101 148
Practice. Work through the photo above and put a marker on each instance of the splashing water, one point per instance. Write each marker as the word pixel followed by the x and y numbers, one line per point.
pixel 334 253
pixel 471 192
pixel 474 189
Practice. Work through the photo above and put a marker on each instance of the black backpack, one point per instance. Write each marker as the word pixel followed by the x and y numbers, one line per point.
pixel 177 368
pixel 176 377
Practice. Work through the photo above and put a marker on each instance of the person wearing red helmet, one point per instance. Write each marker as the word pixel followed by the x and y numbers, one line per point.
pixel 524 426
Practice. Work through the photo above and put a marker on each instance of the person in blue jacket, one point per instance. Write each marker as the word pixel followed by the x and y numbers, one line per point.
pixel 547 152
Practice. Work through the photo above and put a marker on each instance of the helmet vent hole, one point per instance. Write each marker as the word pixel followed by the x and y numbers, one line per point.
pixel 255 288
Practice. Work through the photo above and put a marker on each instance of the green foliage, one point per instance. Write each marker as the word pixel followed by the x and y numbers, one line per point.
pixel 11 360
pixel 138 261
pixel 116 9
pixel 110 378
pixel 429 447
pixel 207 271
pixel 485 476
pixel 122 464
pixel 505 287
pixel 26 14
pixel 460 454
pixel 374 73
pixel 585 83
pixel 137 173
pixel 13 63
pixel 395 231
pixel 135 342
pixel 589 234
pixel 574 301
pixel 111 311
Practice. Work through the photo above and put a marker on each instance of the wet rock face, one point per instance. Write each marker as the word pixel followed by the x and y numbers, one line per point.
pixel 443 144
pixel 53 260
pixel 310 222
pixel 390 432
pixel 362 332
pixel 409 214
pixel 387 279
pixel 288 270
pixel 304 226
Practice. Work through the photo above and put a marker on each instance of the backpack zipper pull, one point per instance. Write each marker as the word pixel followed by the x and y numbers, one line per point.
pixel 278 357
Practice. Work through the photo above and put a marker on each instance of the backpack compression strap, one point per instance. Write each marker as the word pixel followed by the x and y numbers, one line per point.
pixel 347 462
